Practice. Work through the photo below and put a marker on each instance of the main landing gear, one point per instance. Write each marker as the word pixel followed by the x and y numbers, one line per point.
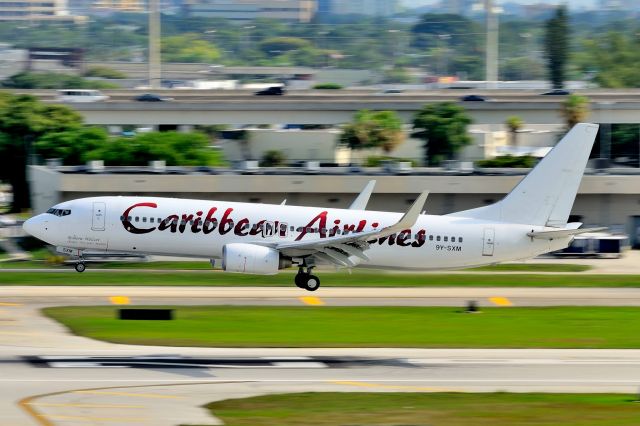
pixel 80 267
pixel 306 280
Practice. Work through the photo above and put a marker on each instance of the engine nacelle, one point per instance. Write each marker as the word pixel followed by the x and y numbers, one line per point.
pixel 252 259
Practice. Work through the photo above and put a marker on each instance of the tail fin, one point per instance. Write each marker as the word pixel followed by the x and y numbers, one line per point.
pixel 546 195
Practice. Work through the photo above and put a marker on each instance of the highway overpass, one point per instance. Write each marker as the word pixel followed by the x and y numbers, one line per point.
pixel 193 107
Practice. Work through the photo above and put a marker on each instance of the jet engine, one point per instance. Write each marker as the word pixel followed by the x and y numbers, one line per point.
pixel 252 259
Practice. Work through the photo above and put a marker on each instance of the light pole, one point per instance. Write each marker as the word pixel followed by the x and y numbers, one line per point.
pixel 492 45
pixel 155 77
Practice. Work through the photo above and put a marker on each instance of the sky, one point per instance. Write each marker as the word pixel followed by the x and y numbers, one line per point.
pixel 573 3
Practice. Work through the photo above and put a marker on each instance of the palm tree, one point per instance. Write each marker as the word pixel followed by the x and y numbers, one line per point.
pixel 514 124
pixel 575 110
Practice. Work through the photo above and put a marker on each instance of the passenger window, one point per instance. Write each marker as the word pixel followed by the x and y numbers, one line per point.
pixel 446 239
pixel 460 239
pixel 430 237
pixel 137 218
pixel 300 229
pixel 121 218
pixel 144 220
pixel 152 219
pixel 438 238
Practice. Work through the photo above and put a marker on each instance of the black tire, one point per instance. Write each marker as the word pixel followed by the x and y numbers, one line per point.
pixel 312 283
pixel 301 279
pixel 80 267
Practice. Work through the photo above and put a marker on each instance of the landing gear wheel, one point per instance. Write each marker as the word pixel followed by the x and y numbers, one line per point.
pixel 312 283
pixel 301 279
pixel 80 267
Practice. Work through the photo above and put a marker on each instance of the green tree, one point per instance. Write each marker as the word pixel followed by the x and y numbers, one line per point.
pixel 514 125
pixel 443 128
pixel 277 45
pixel 53 80
pixel 575 109
pixel 273 158
pixel 23 121
pixel 556 46
pixel 374 129
pixel 188 48
pixel 72 146
pixel 177 149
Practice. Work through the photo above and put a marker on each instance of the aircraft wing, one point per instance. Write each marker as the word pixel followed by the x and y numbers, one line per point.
pixel 562 233
pixel 338 249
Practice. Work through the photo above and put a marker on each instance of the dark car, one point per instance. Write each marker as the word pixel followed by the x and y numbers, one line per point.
pixel 558 92
pixel 473 98
pixel 271 91
pixel 150 97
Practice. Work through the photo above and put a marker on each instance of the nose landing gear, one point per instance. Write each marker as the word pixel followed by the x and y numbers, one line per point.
pixel 306 280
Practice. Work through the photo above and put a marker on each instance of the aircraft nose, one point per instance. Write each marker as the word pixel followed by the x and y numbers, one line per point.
pixel 34 226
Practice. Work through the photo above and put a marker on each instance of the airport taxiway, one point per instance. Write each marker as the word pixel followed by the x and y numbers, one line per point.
pixel 49 377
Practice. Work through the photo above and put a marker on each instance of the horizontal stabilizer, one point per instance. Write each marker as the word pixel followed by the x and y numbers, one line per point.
pixel 562 233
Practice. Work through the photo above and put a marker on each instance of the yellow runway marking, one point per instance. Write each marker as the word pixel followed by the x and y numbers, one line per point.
pixel 51 404
pixel 138 395
pixel 120 300
pixel 311 300
pixel 394 387
pixel 500 301
pixel 10 304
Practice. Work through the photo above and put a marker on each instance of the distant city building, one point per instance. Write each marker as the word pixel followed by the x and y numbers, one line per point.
pixel 249 10
pixel 36 10
pixel 121 5
pixel 363 7
pixel 618 5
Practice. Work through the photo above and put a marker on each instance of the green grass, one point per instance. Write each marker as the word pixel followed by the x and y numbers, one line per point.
pixel 533 267
pixel 329 279
pixel 429 409
pixel 42 254
pixel 419 327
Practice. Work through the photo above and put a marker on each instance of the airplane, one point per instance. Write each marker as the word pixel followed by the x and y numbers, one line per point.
pixel 263 239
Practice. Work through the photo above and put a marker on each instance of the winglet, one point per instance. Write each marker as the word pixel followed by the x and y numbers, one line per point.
pixel 360 203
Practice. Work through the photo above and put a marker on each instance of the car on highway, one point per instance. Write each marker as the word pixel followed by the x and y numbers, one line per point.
pixel 557 92
pixel 473 98
pixel 81 95
pixel 271 91
pixel 151 97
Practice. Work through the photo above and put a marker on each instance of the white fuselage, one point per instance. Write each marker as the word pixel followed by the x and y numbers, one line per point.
pixel 198 228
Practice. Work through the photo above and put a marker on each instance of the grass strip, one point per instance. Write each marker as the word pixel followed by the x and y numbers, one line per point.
pixel 410 327
pixel 436 409
pixel 204 265
pixel 329 279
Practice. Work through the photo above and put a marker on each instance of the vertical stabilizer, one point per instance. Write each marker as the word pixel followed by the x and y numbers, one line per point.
pixel 546 195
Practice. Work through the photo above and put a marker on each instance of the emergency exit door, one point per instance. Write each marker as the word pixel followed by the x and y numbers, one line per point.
pixel 488 245
pixel 98 217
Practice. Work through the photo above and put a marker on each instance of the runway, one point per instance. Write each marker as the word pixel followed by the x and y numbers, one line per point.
pixel 330 296
pixel 48 377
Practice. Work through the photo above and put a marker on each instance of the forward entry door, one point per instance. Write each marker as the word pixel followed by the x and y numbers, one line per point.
pixel 98 216
pixel 488 245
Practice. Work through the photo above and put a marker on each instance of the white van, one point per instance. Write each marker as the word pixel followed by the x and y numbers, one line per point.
pixel 81 95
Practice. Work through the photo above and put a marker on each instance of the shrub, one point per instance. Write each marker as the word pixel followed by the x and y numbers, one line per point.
pixel 328 86
pixel 525 161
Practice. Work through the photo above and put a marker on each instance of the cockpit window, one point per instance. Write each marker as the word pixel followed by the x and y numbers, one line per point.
pixel 59 212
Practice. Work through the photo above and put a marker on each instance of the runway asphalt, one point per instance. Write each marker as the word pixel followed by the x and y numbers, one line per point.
pixel 48 377
pixel 331 296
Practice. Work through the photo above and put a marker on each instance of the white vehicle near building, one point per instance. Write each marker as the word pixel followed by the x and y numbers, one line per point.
pixel 81 95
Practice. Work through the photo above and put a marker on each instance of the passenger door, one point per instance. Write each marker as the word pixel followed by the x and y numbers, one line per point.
pixel 98 216
pixel 488 243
